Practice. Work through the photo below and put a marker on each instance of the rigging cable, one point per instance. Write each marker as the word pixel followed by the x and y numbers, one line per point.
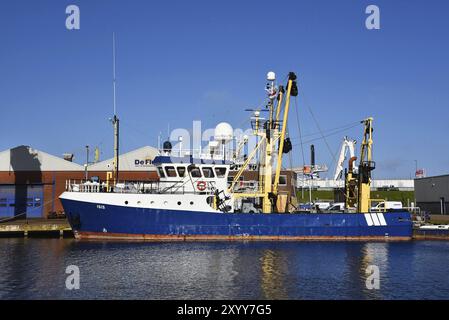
pixel 301 142
pixel 299 130
pixel 319 128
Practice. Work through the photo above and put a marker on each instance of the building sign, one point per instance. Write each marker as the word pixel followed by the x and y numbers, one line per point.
pixel 420 173
pixel 143 163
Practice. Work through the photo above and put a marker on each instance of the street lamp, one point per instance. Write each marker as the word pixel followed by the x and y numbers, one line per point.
pixel 87 162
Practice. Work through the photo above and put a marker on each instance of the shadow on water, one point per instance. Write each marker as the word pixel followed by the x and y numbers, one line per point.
pixel 27 170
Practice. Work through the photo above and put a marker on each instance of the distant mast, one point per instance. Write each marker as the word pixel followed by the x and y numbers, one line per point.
pixel 115 120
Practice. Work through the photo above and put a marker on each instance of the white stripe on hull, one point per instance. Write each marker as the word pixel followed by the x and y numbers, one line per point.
pixel 375 219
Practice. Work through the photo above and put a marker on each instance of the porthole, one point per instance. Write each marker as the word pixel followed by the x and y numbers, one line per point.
pixel 126 202
pixel 191 203
pixel 179 203
pixel 151 202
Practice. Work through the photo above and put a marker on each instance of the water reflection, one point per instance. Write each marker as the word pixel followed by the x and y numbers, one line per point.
pixel 373 254
pixel 273 272
pixel 35 269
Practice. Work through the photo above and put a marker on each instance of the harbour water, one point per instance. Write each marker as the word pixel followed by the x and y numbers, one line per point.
pixel 36 269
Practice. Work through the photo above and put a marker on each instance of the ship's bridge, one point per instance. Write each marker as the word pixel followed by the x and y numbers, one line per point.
pixel 193 174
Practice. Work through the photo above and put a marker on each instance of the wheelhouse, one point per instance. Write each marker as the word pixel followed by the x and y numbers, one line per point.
pixel 196 174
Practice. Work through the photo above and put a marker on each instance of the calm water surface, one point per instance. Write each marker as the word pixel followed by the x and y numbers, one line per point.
pixel 35 269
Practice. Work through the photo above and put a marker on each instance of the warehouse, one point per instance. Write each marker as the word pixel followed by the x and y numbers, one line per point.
pixel 432 194
pixel 32 180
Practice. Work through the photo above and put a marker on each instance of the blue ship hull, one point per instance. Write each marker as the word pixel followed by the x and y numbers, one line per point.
pixel 89 221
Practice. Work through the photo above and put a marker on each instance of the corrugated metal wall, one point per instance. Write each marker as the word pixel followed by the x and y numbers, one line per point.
pixel 432 194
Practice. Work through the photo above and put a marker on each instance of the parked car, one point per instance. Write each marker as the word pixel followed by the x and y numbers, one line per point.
pixel 321 205
pixel 337 207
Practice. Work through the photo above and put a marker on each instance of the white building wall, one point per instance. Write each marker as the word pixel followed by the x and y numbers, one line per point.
pixel 402 184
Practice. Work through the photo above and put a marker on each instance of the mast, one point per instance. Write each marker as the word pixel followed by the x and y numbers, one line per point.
pixel 266 173
pixel 115 120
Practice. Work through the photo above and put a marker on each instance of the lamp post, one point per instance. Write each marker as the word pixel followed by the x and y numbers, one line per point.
pixel 87 162
pixel 416 167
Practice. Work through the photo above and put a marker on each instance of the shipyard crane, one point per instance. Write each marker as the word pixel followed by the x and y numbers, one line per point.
pixel 347 144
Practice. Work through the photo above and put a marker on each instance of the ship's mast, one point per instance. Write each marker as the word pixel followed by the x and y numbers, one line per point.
pixel 268 132
pixel 266 169
pixel 115 120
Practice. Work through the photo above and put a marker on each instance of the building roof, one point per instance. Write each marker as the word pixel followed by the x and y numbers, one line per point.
pixel 136 160
pixel 433 177
pixel 188 159
pixel 25 158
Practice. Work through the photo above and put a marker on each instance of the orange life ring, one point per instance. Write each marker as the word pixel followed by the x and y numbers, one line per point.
pixel 201 185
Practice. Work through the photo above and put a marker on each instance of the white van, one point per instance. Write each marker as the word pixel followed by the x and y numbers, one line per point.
pixel 387 206
pixel 337 207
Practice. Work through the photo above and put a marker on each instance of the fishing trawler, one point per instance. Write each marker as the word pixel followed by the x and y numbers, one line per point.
pixel 195 200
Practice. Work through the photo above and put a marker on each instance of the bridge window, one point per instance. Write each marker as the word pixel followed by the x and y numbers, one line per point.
pixel 181 171
pixel 161 172
pixel 171 172
pixel 220 172
pixel 195 172
pixel 208 173
pixel 283 180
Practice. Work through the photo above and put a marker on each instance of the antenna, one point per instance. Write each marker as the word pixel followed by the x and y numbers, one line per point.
pixel 113 70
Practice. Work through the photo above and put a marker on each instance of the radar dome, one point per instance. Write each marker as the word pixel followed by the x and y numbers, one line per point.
pixel 224 132
pixel 271 76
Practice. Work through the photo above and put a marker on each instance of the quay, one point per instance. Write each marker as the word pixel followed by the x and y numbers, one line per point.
pixel 39 228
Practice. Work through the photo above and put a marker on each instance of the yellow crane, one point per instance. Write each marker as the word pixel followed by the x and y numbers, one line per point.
pixel 358 185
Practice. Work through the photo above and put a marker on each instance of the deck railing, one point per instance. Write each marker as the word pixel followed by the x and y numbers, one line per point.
pixel 172 187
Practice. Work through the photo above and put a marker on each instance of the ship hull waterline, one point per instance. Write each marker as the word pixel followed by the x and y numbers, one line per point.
pixel 93 221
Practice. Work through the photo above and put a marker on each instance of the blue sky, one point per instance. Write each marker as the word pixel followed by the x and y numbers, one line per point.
pixel 180 61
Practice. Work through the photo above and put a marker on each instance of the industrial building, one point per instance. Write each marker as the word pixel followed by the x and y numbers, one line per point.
pixel 32 180
pixel 432 194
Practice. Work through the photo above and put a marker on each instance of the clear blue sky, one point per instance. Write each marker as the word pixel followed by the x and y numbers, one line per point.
pixel 180 61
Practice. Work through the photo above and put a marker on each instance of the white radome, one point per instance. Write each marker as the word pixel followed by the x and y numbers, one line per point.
pixel 224 132
pixel 271 76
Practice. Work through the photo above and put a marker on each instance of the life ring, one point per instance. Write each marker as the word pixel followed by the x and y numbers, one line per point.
pixel 201 185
